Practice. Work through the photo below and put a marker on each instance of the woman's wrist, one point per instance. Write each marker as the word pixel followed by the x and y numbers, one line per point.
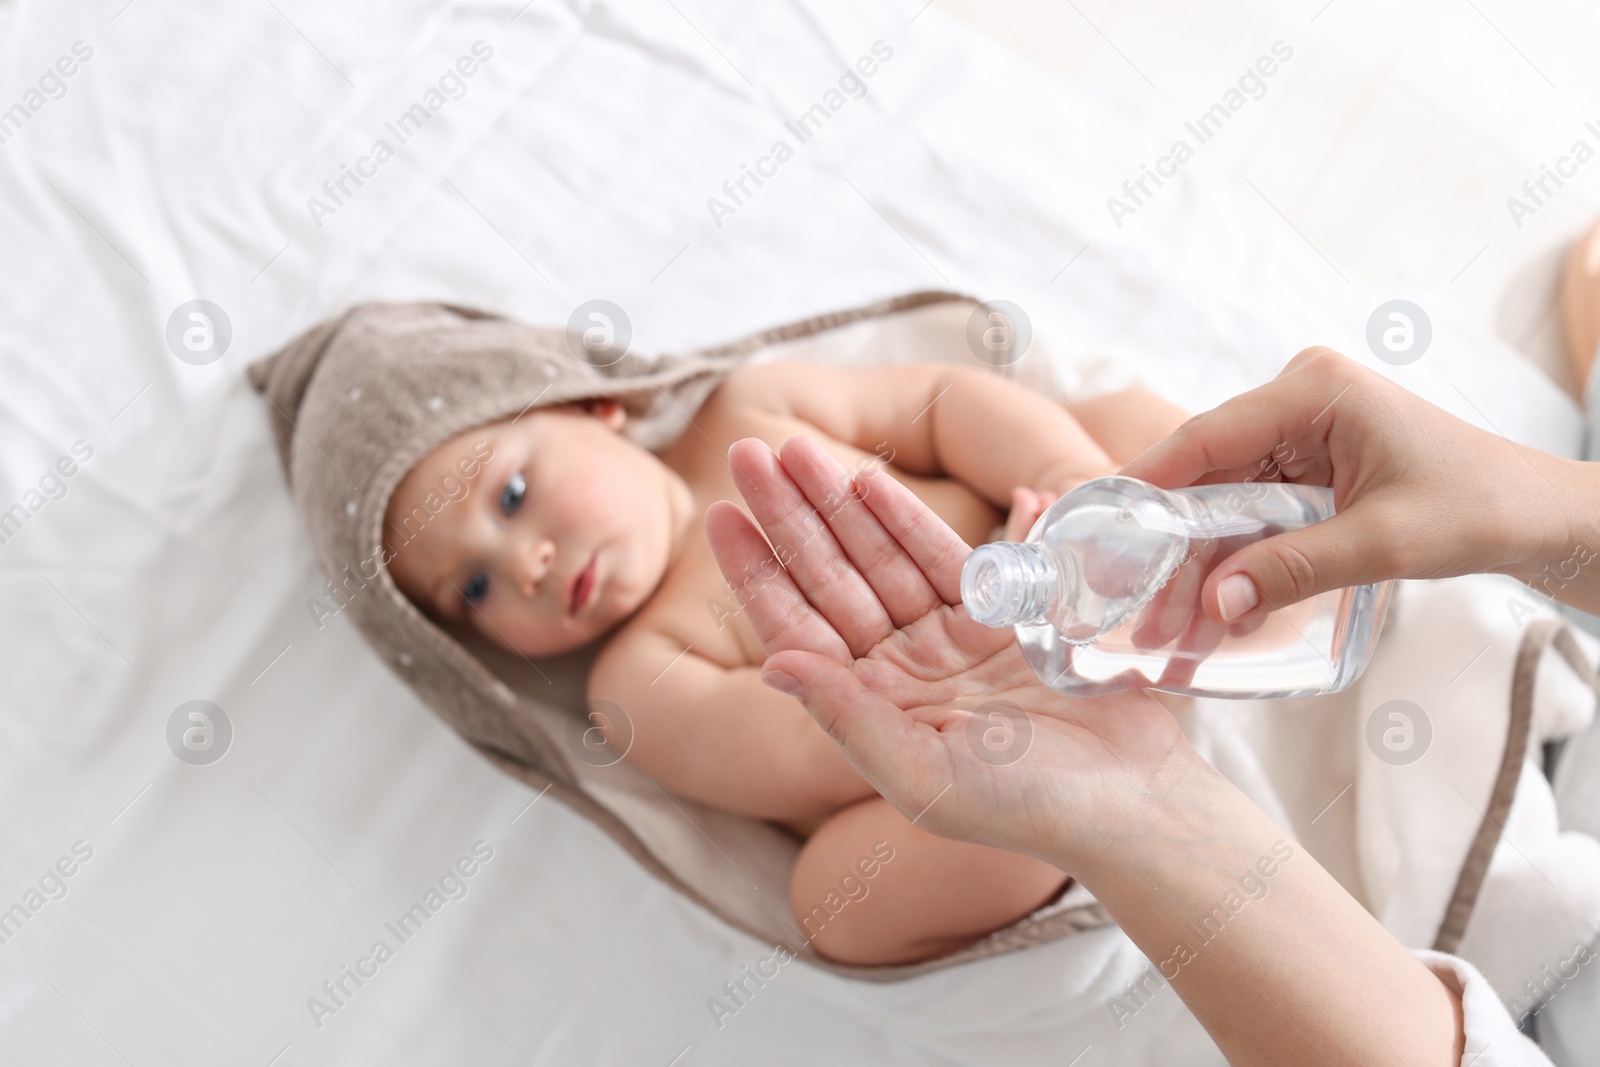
pixel 1166 806
pixel 1557 530
pixel 1575 499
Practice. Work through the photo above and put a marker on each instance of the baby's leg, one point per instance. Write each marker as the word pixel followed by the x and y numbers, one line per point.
pixel 871 888
pixel 1127 422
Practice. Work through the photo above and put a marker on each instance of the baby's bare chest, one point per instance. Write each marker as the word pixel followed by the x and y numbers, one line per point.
pixel 695 603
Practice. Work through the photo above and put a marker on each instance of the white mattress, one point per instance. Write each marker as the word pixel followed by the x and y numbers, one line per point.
pixel 177 165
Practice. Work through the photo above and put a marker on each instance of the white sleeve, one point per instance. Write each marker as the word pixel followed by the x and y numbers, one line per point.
pixel 1493 1039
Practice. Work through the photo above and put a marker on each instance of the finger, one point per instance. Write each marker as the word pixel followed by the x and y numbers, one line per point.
pixel 1243 438
pixel 806 547
pixel 1290 567
pixel 1285 464
pixel 1198 640
pixel 1116 568
pixel 1249 624
pixel 1201 635
pixel 901 587
pixel 937 550
pixel 1024 511
pixel 1170 610
pixel 779 613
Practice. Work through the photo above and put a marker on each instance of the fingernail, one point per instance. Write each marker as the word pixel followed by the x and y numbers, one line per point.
pixel 1236 595
pixel 784 682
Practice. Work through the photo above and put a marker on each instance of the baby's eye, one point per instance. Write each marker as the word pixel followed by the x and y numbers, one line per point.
pixel 511 496
pixel 477 588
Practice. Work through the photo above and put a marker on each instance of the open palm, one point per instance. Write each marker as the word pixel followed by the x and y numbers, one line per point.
pixel 858 597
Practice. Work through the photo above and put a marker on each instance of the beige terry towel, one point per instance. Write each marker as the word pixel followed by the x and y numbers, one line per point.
pixel 357 400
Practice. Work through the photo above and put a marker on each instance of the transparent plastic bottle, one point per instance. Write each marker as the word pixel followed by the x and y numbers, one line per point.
pixel 1104 594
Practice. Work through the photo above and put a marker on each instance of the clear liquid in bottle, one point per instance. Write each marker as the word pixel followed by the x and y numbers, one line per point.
pixel 1104 594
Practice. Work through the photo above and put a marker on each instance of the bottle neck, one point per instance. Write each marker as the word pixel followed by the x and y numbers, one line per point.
pixel 1010 584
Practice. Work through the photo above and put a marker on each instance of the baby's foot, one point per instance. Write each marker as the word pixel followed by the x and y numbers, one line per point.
pixel 1580 304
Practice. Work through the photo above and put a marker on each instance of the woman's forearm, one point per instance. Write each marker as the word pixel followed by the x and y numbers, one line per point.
pixel 1561 556
pixel 1275 959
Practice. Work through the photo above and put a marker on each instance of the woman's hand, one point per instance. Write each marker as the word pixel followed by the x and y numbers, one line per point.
pixel 1419 492
pixel 1173 614
pixel 941 714
pixel 860 606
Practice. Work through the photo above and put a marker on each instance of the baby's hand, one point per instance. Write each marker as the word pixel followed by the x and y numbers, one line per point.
pixel 1026 507
pixel 1028 504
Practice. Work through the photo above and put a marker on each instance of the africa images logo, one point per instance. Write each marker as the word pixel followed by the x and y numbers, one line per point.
pixel 1251 85
pixel 451 85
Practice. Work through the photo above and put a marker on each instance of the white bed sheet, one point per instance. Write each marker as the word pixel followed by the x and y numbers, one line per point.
pixel 578 164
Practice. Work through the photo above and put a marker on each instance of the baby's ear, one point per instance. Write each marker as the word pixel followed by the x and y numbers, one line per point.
pixel 608 411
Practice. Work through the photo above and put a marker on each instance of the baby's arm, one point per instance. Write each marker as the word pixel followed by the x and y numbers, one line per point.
pixel 1123 424
pixel 965 422
pixel 717 735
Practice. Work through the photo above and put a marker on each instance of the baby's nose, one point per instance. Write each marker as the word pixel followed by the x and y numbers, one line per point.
pixel 532 564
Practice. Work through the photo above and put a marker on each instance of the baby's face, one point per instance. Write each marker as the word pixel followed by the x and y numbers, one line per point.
pixel 564 528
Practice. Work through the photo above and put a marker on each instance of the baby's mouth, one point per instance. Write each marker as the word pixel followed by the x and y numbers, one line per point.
pixel 581 586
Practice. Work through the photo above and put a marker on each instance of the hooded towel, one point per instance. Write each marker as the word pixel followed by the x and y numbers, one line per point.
pixel 356 401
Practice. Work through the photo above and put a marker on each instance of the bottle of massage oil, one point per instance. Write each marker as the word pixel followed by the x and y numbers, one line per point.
pixel 1105 594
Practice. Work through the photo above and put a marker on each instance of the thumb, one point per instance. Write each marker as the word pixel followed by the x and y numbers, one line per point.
pixel 1290 567
pixel 875 734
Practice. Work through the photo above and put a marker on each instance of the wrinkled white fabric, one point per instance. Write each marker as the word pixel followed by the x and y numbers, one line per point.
pixel 178 164
pixel 1493 1039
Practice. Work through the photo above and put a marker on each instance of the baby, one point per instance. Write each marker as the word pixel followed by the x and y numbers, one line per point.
pixel 572 534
